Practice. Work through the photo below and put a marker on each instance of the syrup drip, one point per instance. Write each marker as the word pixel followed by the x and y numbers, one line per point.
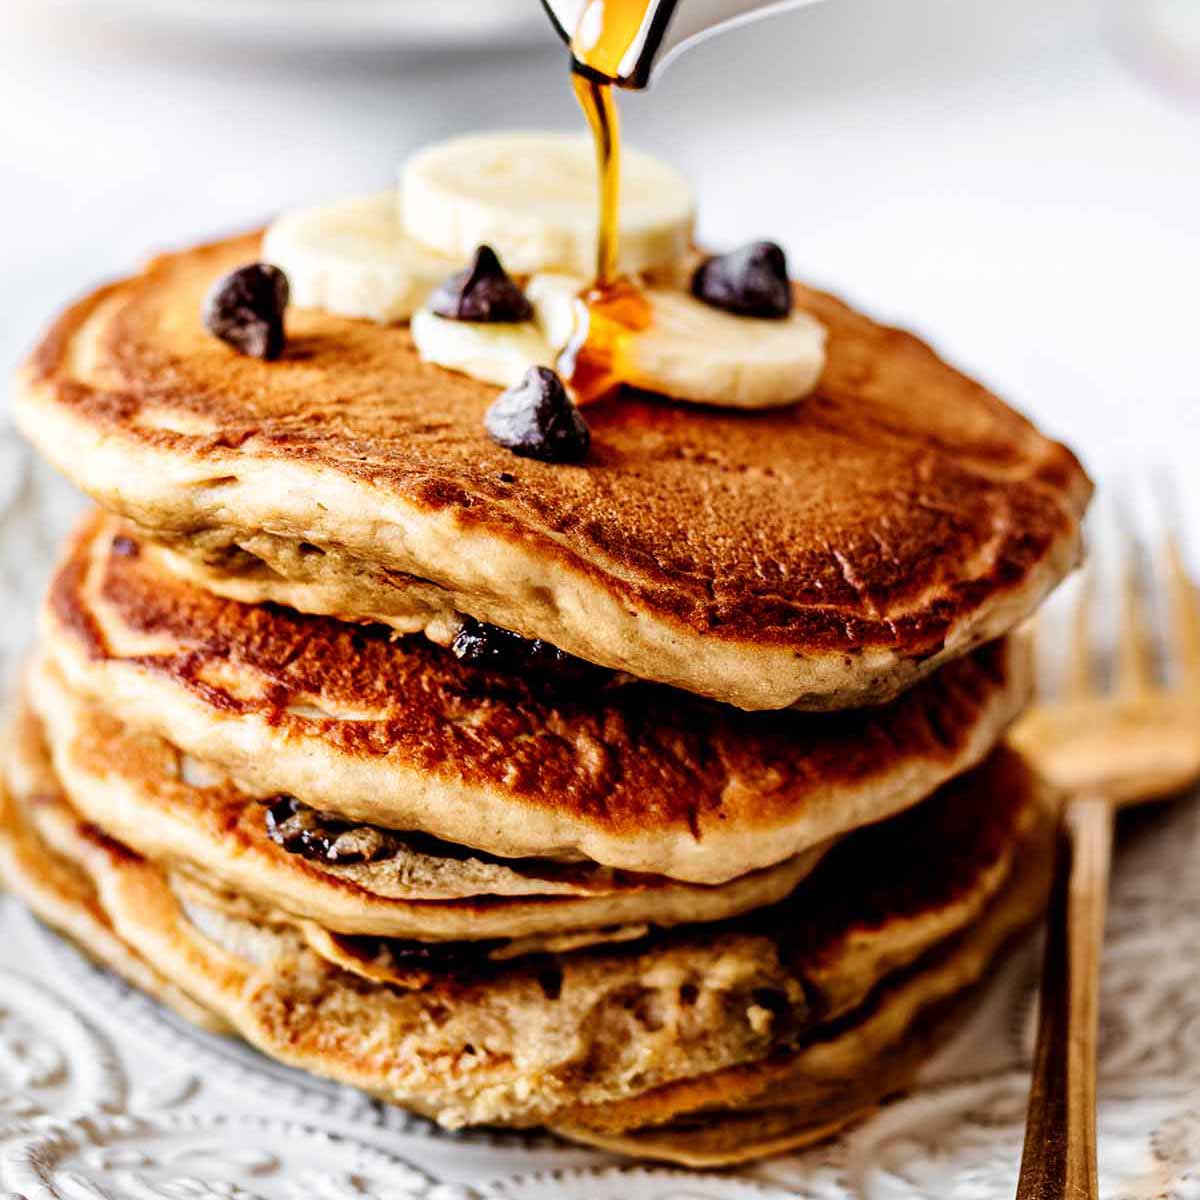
pixel 590 362
pixel 600 107
pixel 613 305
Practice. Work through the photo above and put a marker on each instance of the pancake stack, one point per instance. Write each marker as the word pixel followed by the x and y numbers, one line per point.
pixel 658 799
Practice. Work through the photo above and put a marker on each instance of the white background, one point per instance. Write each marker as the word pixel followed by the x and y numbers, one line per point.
pixel 1017 179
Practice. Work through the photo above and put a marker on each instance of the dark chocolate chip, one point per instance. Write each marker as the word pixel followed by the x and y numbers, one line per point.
pixel 773 1000
pixel 483 292
pixel 491 648
pixel 751 281
pixel 246 307
pixel 124 547
pixel 439 958
pixel 537 419
pixel 312 834
pixel 550 981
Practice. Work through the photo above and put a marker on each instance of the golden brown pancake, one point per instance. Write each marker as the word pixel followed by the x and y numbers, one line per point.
pixel 823 555
pixel 838 1075
pixel 398 733
pixel 58 893
pixel 136 787
pixel 575 1037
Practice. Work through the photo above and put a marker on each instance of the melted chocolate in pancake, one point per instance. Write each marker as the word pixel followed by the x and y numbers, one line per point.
pixel 924 861
pixel 322 837
pixel 174 809
pixel 306 831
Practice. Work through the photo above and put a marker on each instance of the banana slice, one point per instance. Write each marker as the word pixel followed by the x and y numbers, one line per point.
pixel 557 308
pixel 692 351
pixel 532 196
pixel 495 352
pixel 353 258
pixel 695 352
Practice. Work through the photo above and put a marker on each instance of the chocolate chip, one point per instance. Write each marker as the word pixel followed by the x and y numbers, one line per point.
pixel 773 1000
pixel 312 834
pixel 491 648
pixel 124 547
pixel 245 309
pixel 439 958
pixel 483 292
pixel 550 981
pixel 751 281
pixel 537 419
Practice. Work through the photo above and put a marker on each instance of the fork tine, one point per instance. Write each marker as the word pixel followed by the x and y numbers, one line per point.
pixel 1079 676
pixel 1184 616
pixel 1135 666
pixel 1040 641
pixel 1183 604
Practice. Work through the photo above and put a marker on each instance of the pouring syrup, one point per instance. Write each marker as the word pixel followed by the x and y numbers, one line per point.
pixel 622 43
pixel 613 305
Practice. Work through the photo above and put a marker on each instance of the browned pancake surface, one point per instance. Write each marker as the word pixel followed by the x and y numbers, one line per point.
pixel 874 890
pixel 628 763
pixel 882 512
pixel 518 1041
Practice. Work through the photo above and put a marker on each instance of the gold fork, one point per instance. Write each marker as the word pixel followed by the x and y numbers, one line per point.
pixel 1137 741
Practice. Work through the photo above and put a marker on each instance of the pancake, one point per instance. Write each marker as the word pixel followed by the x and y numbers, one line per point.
pixel 517 1042
pixel 840 1073
pixel 135 786
pixel 401 961
pixel 398 733
pixel 58 893
pixel 823 555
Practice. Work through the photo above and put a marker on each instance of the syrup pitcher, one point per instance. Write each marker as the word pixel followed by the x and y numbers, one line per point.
pixel 626 41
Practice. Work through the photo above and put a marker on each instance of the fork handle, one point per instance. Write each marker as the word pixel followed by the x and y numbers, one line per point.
pixel 1059 1161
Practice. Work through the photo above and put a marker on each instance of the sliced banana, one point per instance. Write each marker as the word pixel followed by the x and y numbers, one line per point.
pixel 692 351
pixel 695 352
pixel 494 352
pixel 353 258
pixel 557 307
pixel 532 196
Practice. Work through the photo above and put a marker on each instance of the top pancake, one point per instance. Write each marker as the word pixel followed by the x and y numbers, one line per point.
pixel 822 555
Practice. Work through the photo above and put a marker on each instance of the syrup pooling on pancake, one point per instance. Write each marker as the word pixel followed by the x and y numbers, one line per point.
pixel 603 324
pixel 618 322
pixel 407 737
pixel 607 29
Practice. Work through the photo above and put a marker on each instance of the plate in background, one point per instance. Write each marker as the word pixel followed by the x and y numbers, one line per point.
pixel 1160 40
pixel 331 25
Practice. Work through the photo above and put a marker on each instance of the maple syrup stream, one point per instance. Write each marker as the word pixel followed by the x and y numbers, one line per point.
pixel 612 306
